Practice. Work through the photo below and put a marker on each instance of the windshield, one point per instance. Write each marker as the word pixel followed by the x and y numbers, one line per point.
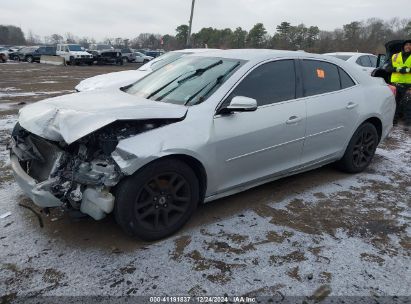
pixel 75 48
pixel 187 81
pixel 165 59
pixel 342 57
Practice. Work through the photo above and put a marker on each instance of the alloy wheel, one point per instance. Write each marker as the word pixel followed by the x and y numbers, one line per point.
pixel 364 148
pixel 162 201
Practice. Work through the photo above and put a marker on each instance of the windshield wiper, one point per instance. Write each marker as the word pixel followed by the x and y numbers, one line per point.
pixel 163 87
pixel 196 73
pixel 216 82
pixel 200 71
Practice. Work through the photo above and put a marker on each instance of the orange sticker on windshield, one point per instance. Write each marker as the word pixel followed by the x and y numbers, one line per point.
pixel 320 73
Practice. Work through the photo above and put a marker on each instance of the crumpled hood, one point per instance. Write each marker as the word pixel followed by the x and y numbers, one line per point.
pixel 111 80
pixel 71 117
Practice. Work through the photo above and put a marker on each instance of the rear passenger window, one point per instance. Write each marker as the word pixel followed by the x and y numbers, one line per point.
pixel 269 83
pixel 364 61
pixel 373 60
pixel 319 77
pixel 346 80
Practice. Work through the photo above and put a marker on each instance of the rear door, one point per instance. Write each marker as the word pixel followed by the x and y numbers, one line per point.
pixel 332 110
pixel 256 145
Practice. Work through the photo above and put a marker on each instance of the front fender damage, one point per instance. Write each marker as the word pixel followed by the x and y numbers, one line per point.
pixel 80 175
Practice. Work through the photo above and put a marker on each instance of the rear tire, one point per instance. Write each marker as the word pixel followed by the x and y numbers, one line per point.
pixel 360 150
pixel 29 59
pixel 157 200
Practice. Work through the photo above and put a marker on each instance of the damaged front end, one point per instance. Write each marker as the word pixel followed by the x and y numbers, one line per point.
pixel 80 175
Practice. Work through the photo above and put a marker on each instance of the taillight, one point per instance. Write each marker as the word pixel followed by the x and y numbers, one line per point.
pixel 393 89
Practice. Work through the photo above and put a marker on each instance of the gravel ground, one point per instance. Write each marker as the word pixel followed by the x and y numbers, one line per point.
pixel 318 234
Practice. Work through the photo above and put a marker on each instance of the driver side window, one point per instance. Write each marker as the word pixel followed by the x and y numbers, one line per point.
pixel 269 83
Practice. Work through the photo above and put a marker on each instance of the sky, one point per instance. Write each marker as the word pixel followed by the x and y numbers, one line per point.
pixel 128 18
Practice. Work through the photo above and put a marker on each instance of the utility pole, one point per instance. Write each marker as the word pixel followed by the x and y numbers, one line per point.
pixel 191 23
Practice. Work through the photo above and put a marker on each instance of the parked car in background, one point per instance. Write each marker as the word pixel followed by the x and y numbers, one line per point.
pixel 142 58
pixel 367 62
pixel 208 126
pixel 13 53
pixel 105 53
pixel 152 53
pixel 392 47
pixel 155 53
pixel 74 54
pixel 34 53
pixel 123 78
pixel 128 55
pixel 4 54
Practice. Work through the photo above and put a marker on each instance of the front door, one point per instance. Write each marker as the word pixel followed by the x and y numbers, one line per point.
pixel 252 146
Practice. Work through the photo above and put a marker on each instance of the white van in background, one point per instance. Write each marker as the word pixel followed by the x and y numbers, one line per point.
pixel 74 54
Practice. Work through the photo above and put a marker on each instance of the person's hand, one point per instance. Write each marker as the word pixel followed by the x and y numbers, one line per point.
pixel 403 70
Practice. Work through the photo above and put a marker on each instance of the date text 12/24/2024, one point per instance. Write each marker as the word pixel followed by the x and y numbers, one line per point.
pixel 202 299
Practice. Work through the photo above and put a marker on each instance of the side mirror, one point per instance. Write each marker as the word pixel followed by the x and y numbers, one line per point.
pixel 240 104
pixel 380 60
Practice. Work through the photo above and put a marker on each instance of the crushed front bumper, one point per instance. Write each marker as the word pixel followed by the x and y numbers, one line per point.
pixel 40 197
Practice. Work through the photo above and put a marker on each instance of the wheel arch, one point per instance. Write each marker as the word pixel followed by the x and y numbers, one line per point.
pixel 197 167
pixel 377 123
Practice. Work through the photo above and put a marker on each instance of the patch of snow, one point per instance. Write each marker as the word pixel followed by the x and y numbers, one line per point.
pixel 49 81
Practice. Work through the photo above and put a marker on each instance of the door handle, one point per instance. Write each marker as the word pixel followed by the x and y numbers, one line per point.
pixel 351 105
pixel 293 120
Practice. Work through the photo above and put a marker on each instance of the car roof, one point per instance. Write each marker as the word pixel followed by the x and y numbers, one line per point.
pixel 260 54
pixel 349 54
pixel 194 50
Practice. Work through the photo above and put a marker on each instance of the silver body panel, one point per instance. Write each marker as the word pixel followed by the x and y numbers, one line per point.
pixel 238 151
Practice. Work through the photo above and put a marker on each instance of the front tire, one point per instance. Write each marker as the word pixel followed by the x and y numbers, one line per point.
pixel 29 59
pixel 360 150
pixel 158 200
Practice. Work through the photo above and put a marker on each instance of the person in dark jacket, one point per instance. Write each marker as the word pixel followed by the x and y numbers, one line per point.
pixel 399 65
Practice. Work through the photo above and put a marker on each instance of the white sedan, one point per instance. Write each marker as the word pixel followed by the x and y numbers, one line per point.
pixel 141 58
pixel 364 61
pixel 124 78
